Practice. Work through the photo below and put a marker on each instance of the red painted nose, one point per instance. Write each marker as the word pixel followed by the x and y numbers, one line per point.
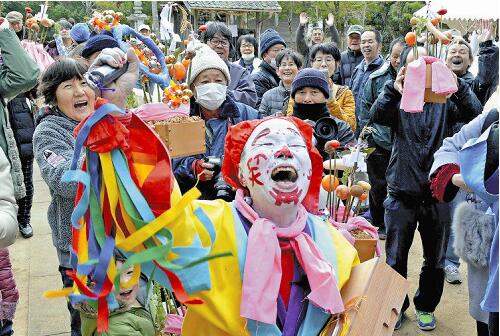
pixel 283 153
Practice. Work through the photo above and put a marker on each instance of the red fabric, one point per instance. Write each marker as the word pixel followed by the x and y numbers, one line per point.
pixel 287 267
pixel 106 135
pixel 441 182
pixel 236 139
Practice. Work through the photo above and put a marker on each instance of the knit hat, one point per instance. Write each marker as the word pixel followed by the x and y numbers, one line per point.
pixel 98 43
pixel 14 17
pixel 65 24
pixel 80 32
pixel 205 59
pixel 269 38
pixel 310 77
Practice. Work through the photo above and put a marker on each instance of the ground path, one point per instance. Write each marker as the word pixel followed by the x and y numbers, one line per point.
pixel 35 267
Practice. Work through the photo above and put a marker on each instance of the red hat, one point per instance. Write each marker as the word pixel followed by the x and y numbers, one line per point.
pixel 237 137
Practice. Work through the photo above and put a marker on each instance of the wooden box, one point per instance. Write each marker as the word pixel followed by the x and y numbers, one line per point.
pixel 429 96
pixel 183 138
pixel 380 292
pixel 366 248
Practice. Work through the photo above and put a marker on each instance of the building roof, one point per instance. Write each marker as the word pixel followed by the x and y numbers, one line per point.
pixel 253 6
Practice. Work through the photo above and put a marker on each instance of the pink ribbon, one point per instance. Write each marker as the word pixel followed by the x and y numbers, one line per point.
pixel 262 273
pixel 173 324
pixel 354 223
pixel 40 56
pixel 160 111
pixel 443 82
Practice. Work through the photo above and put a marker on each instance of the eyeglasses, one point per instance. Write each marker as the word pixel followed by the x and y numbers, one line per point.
pixel 246 45
pixel 215 42
pixel 327 60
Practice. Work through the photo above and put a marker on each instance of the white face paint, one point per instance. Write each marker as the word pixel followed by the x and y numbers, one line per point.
pixel 275 165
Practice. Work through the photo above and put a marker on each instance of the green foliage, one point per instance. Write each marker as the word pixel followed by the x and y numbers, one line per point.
pixel 391 18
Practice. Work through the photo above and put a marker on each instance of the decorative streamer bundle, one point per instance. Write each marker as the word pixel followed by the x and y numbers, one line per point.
pixel 127 198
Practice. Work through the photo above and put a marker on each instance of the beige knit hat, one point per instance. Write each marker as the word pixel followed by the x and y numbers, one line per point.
pixel 205 59
pixel 14 17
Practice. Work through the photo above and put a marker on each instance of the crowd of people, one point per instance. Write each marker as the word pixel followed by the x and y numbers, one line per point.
pixel 246 102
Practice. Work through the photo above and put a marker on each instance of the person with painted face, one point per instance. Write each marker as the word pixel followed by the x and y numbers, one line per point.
pixel 371 45
pixel 266 78
pixel 310 92
pixel 247 49
pixel 351 57
pixel 417 136
pixel 378 161
pixel 241 87
pixel 278 100
pixel 271 230
pixel 317 36
pixel 209 82
pixel 62 43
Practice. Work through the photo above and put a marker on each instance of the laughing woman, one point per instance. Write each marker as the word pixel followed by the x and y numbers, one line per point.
pixel 69 100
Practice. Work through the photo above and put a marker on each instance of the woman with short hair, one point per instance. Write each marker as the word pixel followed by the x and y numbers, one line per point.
pixel 277 100
pixel 247 49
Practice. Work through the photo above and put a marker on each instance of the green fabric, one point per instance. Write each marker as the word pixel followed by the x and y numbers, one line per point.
pixel 18 74
pixel 134 322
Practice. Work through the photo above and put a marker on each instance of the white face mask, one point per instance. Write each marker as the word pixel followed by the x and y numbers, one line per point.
pixel 248 57
pixel 275 165
pixel 211 95
pixel 273 62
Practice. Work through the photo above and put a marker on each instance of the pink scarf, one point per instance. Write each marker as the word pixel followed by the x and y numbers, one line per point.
pixel 443 82
pixel 262 274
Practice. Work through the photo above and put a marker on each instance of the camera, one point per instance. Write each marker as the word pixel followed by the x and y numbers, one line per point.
pixel 222 189
pixel 326 129
pixel 100 77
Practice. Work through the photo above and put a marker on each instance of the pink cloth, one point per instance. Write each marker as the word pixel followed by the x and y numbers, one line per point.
pixel 160 111
pixel 40 56
pixel 262 274
pixel 9 295
pixel 443 82
pixel 173 324
pixel 360 223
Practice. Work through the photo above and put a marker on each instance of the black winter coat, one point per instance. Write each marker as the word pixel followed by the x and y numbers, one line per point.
pixel 349 60
pixel 265 78
pixel 417 136
pixel 23 126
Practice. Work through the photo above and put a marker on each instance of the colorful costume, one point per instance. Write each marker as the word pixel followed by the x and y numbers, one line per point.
pixel 128 199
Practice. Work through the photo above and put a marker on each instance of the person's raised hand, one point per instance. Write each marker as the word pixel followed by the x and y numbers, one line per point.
pixel 303 18
pixel 4 24
pixel 124 85
pixel 331 20
pixel 400 78
pixel 486 31
pixel 203 170
pixel 458 180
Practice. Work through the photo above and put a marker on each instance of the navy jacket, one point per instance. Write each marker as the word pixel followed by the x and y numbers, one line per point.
pixel 241 85
pixel 348 61
pixel 23 125
pixel 375 84
pixel 216 129
pixel 265 78
pixel 358 80
pixel 417 136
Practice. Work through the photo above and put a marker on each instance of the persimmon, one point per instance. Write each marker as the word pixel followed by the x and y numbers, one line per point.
pixel 357 191
pixel 330 183
pixel 342 192
pixel 413 21
pixel 179 71
pixel 411 39
pixel 435 21
pixel 363 197
pixel 365 185
pixel 186 62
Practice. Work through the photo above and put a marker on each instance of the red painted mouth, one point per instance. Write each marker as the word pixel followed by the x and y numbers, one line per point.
pixel 286 197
